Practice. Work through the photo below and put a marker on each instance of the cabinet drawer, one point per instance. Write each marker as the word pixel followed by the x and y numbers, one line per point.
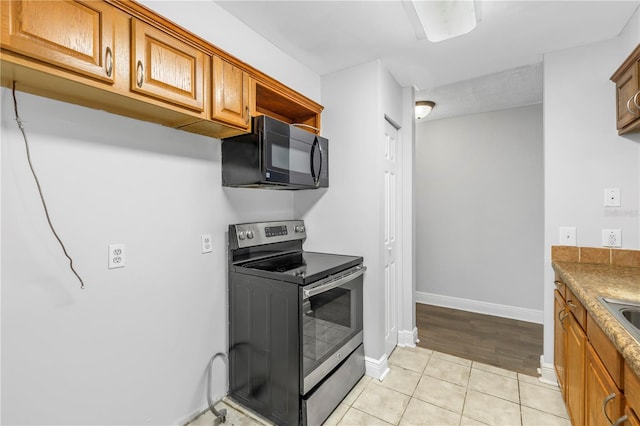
pixel 576 308
pixel 632 389
pixel 611 358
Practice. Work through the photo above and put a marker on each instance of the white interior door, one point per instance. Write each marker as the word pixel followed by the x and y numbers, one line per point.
pixel 391 269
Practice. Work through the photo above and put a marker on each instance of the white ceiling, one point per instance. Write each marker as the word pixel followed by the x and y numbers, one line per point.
pixel 496 66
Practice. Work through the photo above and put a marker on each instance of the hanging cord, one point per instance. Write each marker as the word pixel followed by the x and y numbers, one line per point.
pixel 35 177
pixel 222 414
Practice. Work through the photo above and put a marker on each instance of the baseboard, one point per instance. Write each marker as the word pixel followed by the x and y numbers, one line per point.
pixel 376 368
pixel 408 338
pixel 504 311
pixel 547 373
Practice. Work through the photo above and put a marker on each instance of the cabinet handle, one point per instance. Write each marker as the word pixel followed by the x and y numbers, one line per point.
pixel 140 74
pixel 621 420
pixel 604 411
pixel 572 305
pixel 108 59
pixel 558 283
pixel 629 107
pixel 635 99
pixel 562 318
pixel 247 116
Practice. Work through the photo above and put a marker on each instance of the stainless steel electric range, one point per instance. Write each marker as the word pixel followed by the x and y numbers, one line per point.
pixel 295 323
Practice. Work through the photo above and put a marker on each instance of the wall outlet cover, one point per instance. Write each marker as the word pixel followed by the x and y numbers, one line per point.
pixel 612 238
pixel 207 244
pixel 612 197
pixel 117 258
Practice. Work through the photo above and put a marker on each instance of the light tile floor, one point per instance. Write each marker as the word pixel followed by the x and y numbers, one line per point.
pixel 424 387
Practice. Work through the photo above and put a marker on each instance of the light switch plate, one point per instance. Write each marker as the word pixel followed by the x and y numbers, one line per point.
pixel 567 236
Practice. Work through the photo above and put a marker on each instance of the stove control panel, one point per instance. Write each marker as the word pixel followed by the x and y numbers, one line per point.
pixel 275 231
pixel 254 234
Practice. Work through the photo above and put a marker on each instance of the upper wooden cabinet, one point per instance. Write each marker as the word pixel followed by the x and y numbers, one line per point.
pixel 77 36
pixel 166 68
pixel 628 94
pixel 121 57
pixel 230 94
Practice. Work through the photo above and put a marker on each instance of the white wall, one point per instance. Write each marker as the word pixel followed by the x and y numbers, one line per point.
pixel 133 347
pixel 479 212
pixel 348 217
pixel 584 154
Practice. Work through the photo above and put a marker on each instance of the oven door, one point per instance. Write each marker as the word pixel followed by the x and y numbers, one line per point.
pixel 331 323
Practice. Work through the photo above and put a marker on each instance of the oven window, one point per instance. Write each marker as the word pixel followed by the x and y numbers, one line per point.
pixel 328 323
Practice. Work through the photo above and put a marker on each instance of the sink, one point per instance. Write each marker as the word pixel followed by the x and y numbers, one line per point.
pixel 632 315
pixel 626 312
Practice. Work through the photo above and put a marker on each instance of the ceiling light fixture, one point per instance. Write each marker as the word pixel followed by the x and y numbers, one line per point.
pixel 423 108
pixel 439 20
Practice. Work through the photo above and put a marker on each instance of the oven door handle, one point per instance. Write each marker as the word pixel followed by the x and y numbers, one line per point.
pixel 359 270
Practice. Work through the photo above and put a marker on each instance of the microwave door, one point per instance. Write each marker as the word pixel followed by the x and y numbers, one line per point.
pixel 290 161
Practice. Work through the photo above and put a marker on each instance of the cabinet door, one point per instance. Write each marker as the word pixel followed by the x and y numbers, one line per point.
pixel 166 68
pixel 230 94
pixel 576 342
pixel 560 339
pixel 632 420
pixel 601 393
pixel 74 35
pixel 626 89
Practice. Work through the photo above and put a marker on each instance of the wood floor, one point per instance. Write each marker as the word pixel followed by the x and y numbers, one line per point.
pixel 505 343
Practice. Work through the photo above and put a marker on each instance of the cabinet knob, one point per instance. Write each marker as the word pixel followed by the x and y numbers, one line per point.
pixel 108 62
pixel 140 74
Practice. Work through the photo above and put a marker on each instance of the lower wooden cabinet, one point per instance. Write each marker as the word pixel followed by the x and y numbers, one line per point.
pixel 560 339
pixel 632 419
pixel 598 388
pixel 604 402
pixel 576 347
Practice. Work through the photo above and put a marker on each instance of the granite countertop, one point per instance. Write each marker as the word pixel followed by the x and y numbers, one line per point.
pixel 588 281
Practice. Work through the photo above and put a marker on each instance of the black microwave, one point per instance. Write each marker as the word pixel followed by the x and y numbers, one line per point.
pixel 275 155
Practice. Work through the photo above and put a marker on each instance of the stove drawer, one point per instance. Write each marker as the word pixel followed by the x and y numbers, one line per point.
pixel 327 396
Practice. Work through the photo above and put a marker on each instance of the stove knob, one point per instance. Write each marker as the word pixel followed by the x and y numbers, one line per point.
pixel 249 234
pixel 241 235
pixel 299 228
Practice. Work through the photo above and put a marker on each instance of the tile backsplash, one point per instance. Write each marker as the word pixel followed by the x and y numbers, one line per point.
pixel 602 256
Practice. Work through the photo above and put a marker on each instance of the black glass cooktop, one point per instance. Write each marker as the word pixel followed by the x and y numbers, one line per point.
pixel 301 267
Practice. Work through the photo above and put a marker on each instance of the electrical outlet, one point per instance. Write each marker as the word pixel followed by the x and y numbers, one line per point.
pixel 117 257
pixel 567 236
pixel 611 238
pixel 612 197
pixel 207 244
